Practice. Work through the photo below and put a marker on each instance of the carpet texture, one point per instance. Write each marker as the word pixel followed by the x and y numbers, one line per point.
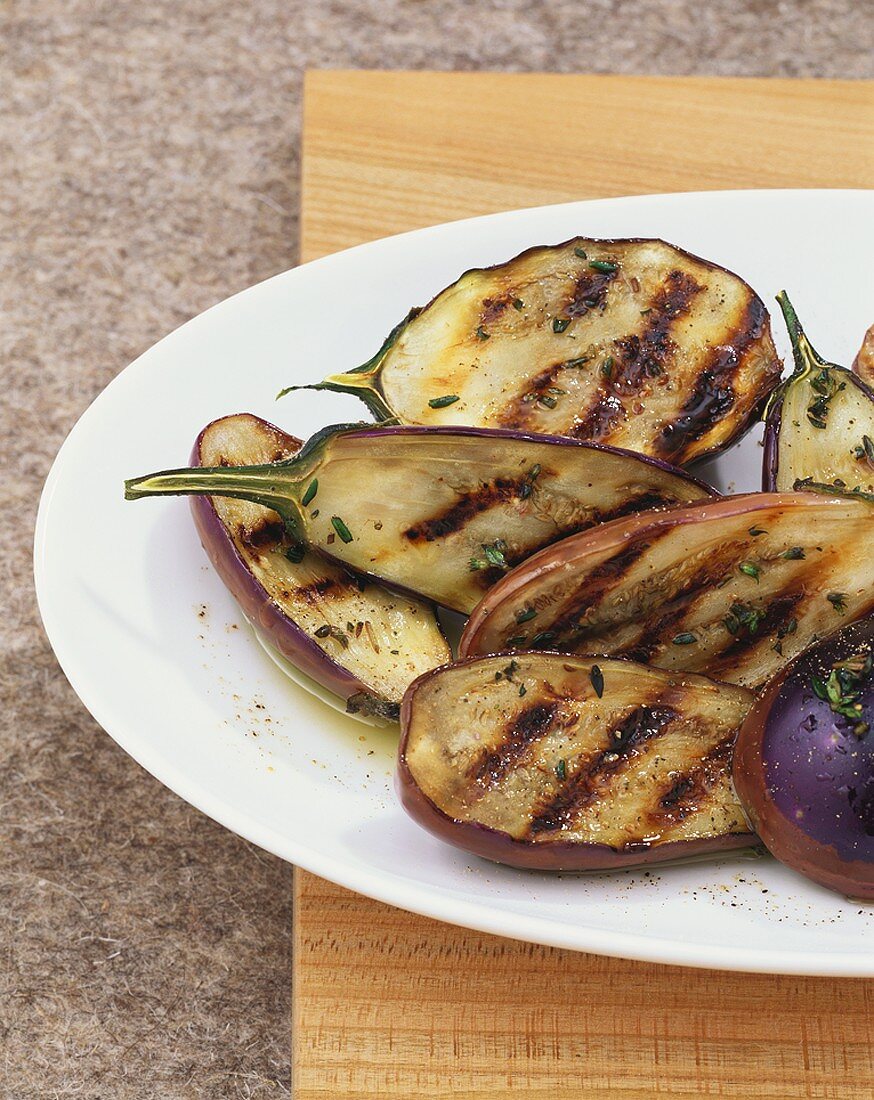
pixel 150 167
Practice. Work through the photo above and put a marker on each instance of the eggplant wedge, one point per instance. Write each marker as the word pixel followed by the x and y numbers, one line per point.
pixel 359 640
pixel 572 763
pixel 733 588
pixel 820 428
pixel 441 512
pixel 635 343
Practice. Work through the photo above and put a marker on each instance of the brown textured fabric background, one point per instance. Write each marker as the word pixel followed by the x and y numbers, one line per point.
pixel 150 168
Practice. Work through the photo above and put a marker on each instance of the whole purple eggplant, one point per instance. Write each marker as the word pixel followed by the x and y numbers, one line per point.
pixel 819 430
pixel 441 512
pixel 360 641
pixel 804 762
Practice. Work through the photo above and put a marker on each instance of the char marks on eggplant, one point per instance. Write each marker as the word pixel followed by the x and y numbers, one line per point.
pixel 635 343
pixel 544 760
pixel 733 588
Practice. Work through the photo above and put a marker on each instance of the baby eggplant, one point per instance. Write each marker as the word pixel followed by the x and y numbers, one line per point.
pixel 441 512
pixel 572 763
pixel 804 762
pixel 635 343
pixel 820 428
pixel 355 638
pixel 732 587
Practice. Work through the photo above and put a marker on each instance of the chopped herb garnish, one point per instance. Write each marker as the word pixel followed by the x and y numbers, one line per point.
pixel 548 400
pixel 341 529
pixel 522 689
pixel 756 531
pixel 837 486
pixel 842 689
pixel 838 600
pixel 825 387
pixel 644 312
pixel 750 569
pixel 526 615
pixel 542 639
pixel 534 472
pixel 493 554
pixel 607 267
pixel 686 638
pixel 323 631
pixel 310 493
pixel 561 770
pixel 481 333
pixel 788 628
pixel 794 553
pixel 607 367
pixel 518 303
pixel 865 448
pixel 559 324
pixel 442 402
pixel 743 617
pixel 296 552
pixel 518 640
pixel 572 364
pixel 506 673
pixel 580 253
pixel 597 678
pixel 314 514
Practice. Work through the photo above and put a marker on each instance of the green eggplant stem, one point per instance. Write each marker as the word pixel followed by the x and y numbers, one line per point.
pixel 806 358
pixel 273 486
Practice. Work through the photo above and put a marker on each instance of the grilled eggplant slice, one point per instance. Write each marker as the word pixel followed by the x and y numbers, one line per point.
pixel 820 428
pixel 734 588
pixel 359 640
pixel 442 512
pixel 572 763
pixel 635 343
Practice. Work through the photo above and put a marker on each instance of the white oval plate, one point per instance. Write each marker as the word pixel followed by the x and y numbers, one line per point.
pixel 159 654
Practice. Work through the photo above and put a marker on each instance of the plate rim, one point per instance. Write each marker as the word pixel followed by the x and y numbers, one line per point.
pixel 424 900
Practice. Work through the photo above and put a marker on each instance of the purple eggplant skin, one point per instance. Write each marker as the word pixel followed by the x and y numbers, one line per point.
pixel 265 613
pixel 805 774
pixel 500 846
pixel 841 455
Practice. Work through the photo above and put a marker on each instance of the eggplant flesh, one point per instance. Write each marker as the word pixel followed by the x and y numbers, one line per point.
pixel 863 364
pixel 358 639
pixel 442 512
pixel 733 588
pixel 572 763
pixel 820 429
pixel 635 343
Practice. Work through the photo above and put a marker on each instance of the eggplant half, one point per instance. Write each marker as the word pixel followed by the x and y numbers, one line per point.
pixel 733 588
pixel 635 343
pixel 356 638
pixel 820 428
pixel 572 763
pixel 441 512
pixel 804 762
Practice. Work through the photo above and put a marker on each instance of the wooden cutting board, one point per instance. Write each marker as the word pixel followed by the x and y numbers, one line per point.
pixel 390 1005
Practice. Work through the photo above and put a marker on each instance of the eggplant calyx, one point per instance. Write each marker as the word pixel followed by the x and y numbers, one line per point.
pixel 807 359
pixel 831 489
pixel 363 382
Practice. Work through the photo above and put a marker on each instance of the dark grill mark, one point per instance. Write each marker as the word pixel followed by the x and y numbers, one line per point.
pixel 318 590
pixel 603 579
pixel 600 418
pixel 267 532
pixel 493 308
pixel 637 357
pixel 590 292
pixel 713 393
pixel 593 779
pixel 460 513
pixel 530 725
pixel 688 792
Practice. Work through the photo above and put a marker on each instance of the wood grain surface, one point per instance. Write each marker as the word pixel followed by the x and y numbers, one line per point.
pixel 390 1005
